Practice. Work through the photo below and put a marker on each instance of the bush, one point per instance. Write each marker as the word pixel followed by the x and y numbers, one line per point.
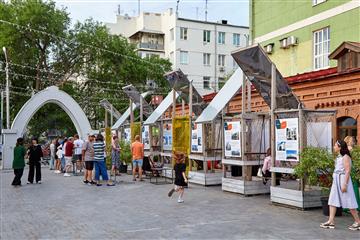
pixel 125 152
pixel 316 167
pixel 355 157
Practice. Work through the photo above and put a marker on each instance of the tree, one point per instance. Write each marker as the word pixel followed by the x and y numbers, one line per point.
pixel 86 61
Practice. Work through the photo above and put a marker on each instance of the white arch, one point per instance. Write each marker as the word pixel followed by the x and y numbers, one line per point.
pixel 48 95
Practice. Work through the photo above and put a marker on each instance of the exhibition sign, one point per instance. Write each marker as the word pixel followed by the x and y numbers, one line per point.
pixel 196 138
pixel 287 139
pixel 145 135
pixel 167 136
pixel 127 135
pixel 232 139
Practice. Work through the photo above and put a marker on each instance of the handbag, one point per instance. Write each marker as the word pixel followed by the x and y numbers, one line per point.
pixel 259 173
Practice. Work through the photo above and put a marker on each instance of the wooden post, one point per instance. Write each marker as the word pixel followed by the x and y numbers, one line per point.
pixel 190 115
pixel 131 112
pixel 302 139
pixel 106 119
pixel 183 107
pixel 222 142
pixel 112 116
pixel 141 117
pixel 174 104
pixel 248 96
pixel 272 112
pixel 243 127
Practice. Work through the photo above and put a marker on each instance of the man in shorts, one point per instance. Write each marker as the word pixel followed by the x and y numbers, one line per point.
pixel 78 144
pixel 137 151
pixel 88 156
pixel 69 149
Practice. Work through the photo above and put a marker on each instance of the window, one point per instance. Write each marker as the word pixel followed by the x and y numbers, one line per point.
pixel 206 37
pixel 221 60
pixel 206 82
pixel 321 48
pixel 206 59
pixel 316 2
pixel 172 34
pixel 221 82
pixel 183 33
pixel 171 57
pixel 236 39
pixel 184 57
pixel 221 38
pixel 234 64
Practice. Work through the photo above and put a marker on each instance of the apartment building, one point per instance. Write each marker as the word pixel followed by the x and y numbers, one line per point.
pixel 200 49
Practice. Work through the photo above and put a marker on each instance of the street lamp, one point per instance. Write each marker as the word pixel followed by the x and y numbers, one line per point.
pixel 7 90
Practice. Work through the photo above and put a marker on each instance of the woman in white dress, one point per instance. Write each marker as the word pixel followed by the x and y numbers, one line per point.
pixel 342 192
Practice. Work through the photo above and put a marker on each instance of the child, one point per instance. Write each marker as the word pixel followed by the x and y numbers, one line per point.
pixel 59 154
pixel 180 177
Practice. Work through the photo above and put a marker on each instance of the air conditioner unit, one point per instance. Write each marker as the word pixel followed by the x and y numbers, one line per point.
pixel 222 69
pixel 283 43
pixel 269 48
pixel 292 41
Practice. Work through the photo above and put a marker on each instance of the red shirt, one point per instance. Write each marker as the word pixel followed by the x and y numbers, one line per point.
pixel 69 149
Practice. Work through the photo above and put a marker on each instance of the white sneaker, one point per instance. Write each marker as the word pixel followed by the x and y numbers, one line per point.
pixel 67 175
pixel 180 201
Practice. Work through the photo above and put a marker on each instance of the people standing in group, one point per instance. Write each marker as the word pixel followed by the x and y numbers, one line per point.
pixel 35 156
pixel 137 151
pixel 78 144
pixel 69 150
pixel 115 155
pixel 350 141
pixel 88 157
pixel 342 192
pixel 52 154
pixel 99 161
pixel 266 168
pixel 59 155
pixel 18 162
pixel 180 176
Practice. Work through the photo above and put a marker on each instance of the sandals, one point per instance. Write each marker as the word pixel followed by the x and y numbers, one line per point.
pixel 355 226
pixel 327 225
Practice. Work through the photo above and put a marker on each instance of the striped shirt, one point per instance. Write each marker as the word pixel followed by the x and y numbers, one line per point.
pixel 99 149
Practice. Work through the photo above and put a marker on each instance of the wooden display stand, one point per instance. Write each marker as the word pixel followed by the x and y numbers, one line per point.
pixel 247 183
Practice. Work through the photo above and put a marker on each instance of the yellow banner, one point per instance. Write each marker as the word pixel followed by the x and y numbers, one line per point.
pixel 135 130
pixel 181 136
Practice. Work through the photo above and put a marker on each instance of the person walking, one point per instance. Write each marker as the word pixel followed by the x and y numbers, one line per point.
pixel 350 141
pixel 62 160
pixel 342 192
pixel 137 151
pixel 59 155
pixel 52 154
pixel 115 155
pixel 18 162
pixel 69 149
pixel 99 161
pixel 88 157
pixel 78 144
pixel 180 176
pixel 35 157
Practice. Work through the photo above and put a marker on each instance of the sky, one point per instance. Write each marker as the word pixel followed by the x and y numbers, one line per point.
pixel 235 11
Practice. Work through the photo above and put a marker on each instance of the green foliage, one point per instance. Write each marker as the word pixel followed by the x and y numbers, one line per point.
pixel 315 167
pixel 84 52
pixel 355 157
pixel 125 153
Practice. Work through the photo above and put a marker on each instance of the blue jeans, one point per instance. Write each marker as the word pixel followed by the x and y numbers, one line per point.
pixel 52 161
pixel 100 169
pixel 63 163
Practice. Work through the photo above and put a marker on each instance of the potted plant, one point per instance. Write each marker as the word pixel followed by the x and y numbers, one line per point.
pixel 316 168
pixel 355 170
pixel 125 156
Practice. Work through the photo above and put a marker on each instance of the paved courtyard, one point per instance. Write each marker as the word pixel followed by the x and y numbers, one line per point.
pixel 64 208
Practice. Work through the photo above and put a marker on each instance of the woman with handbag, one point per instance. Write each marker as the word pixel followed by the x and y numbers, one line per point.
pixel 35 156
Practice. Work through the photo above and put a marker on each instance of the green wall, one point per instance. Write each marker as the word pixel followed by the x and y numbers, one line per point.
pixel 299 59
pixel 269 15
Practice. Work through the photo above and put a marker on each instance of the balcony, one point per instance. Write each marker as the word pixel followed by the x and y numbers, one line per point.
pixel 152 46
